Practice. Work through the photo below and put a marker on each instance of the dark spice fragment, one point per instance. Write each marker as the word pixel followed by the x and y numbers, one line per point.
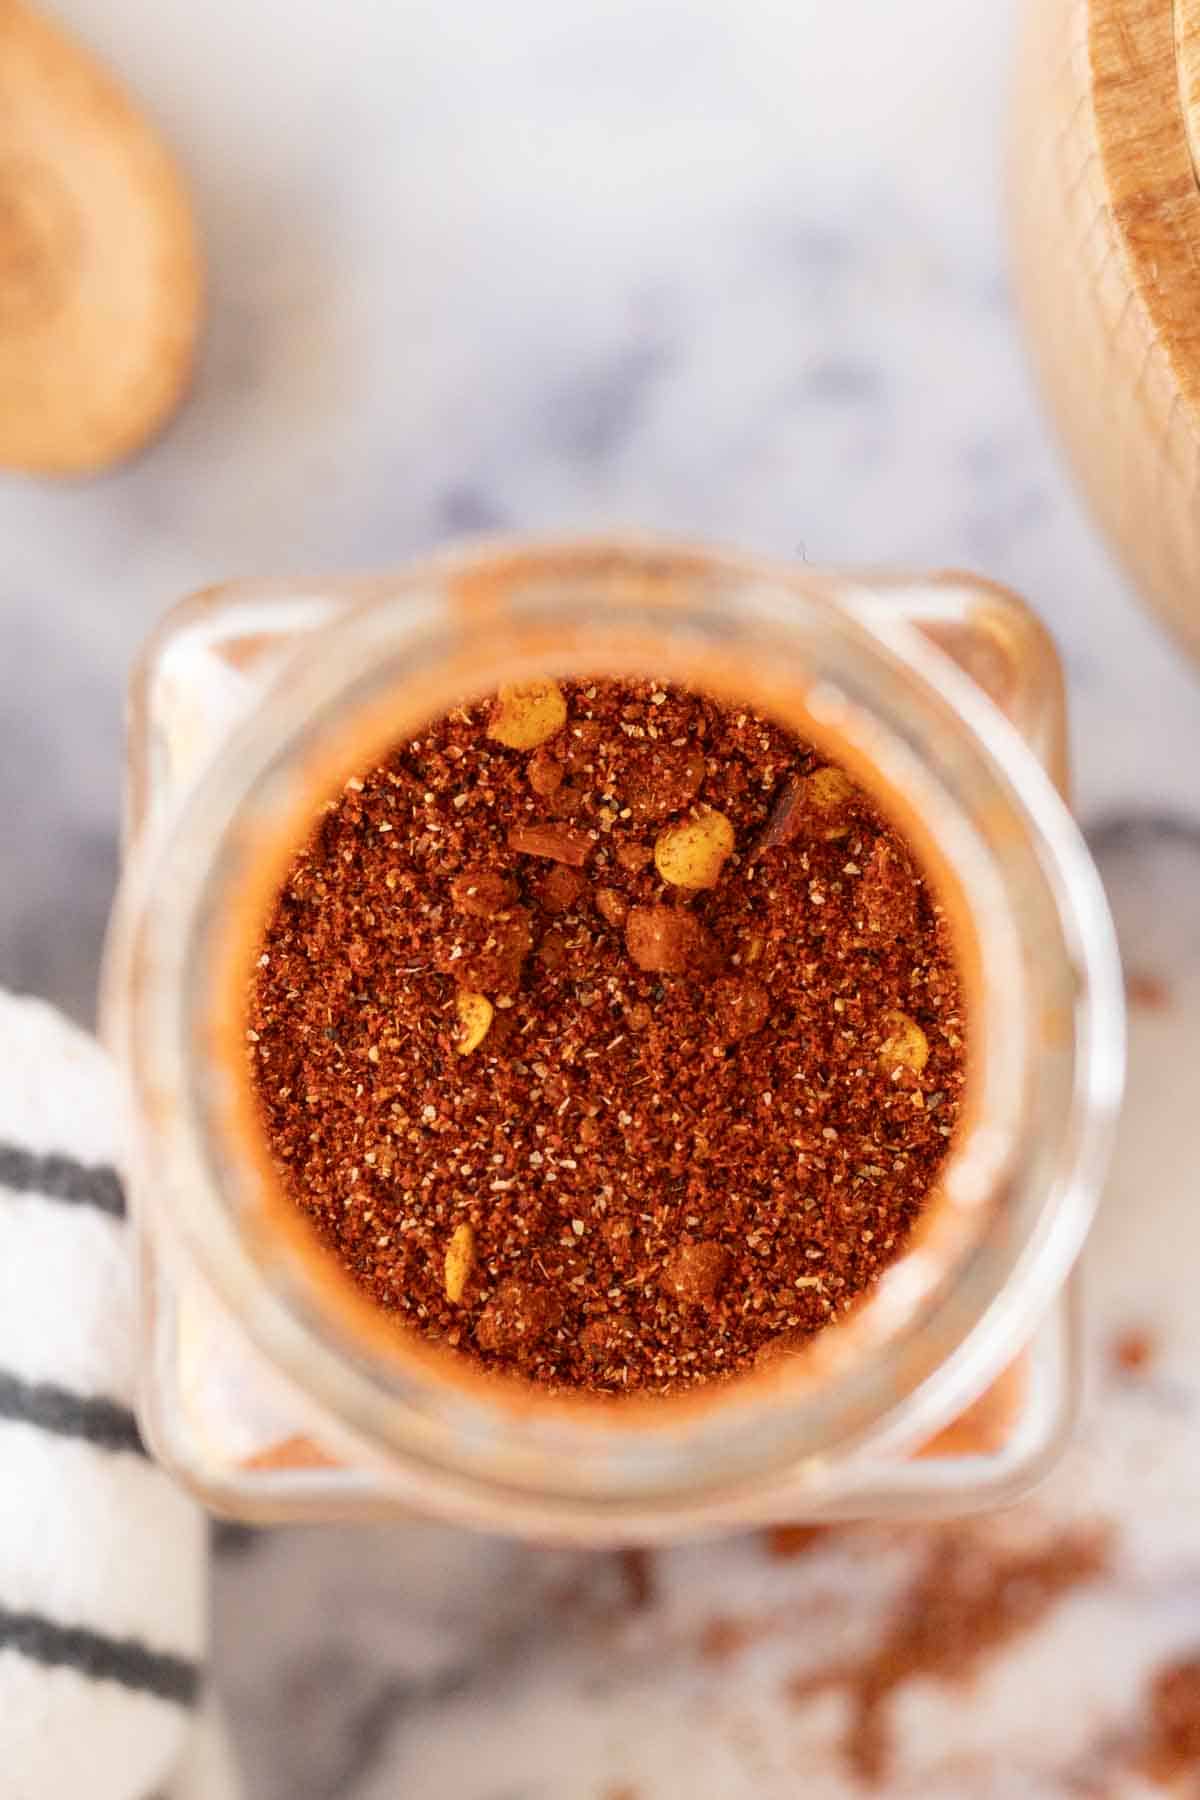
pixel 689 1109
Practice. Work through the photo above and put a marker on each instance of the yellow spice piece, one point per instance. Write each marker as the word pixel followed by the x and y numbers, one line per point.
pixel 460 1260
pixel 475 1015
pixel 905 1046
pixel 830 792
pixel 526 713
pixel 693 853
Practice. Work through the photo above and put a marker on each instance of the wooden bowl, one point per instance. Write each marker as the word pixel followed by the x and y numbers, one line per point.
pixel 1106 223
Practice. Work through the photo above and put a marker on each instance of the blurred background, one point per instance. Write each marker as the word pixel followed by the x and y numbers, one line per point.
pixel 733 269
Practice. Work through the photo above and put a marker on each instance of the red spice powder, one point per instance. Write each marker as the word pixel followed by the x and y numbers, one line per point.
pixel 636 1565
pixel 1133 1350
pixel 784 1542
pixel 966 1603
pixel 1172 1738
pixel 1146 992
pixel 608 1035
pixel 723 1638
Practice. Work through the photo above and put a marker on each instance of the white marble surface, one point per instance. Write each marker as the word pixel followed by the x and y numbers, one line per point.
pixel 733 268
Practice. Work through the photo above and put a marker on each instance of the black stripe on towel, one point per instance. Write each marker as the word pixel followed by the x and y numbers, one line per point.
pixel 62 1178
pixel 101 1422
pixel 123 1660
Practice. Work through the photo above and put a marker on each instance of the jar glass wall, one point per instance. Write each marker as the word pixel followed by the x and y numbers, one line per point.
pixel 272 1389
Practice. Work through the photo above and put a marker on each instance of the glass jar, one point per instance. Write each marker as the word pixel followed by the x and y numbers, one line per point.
pixel 272 1388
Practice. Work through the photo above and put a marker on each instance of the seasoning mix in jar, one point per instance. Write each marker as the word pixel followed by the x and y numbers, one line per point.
pixel 609 1036
pixel 621 1039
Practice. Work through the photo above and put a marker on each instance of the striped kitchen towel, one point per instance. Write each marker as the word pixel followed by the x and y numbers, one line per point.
pixel 103 1576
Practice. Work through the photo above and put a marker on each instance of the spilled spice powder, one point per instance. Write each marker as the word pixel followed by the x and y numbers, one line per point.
pixel 608 1035
pixel 784 1542
pixel 1146 992
pixel 636 1565
pixel 967 1602
pixel 1133 1350
pixel 723 1638
pixel 1171 1747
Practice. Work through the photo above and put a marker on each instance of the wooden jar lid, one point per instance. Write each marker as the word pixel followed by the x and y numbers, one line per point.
pixel 99 265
